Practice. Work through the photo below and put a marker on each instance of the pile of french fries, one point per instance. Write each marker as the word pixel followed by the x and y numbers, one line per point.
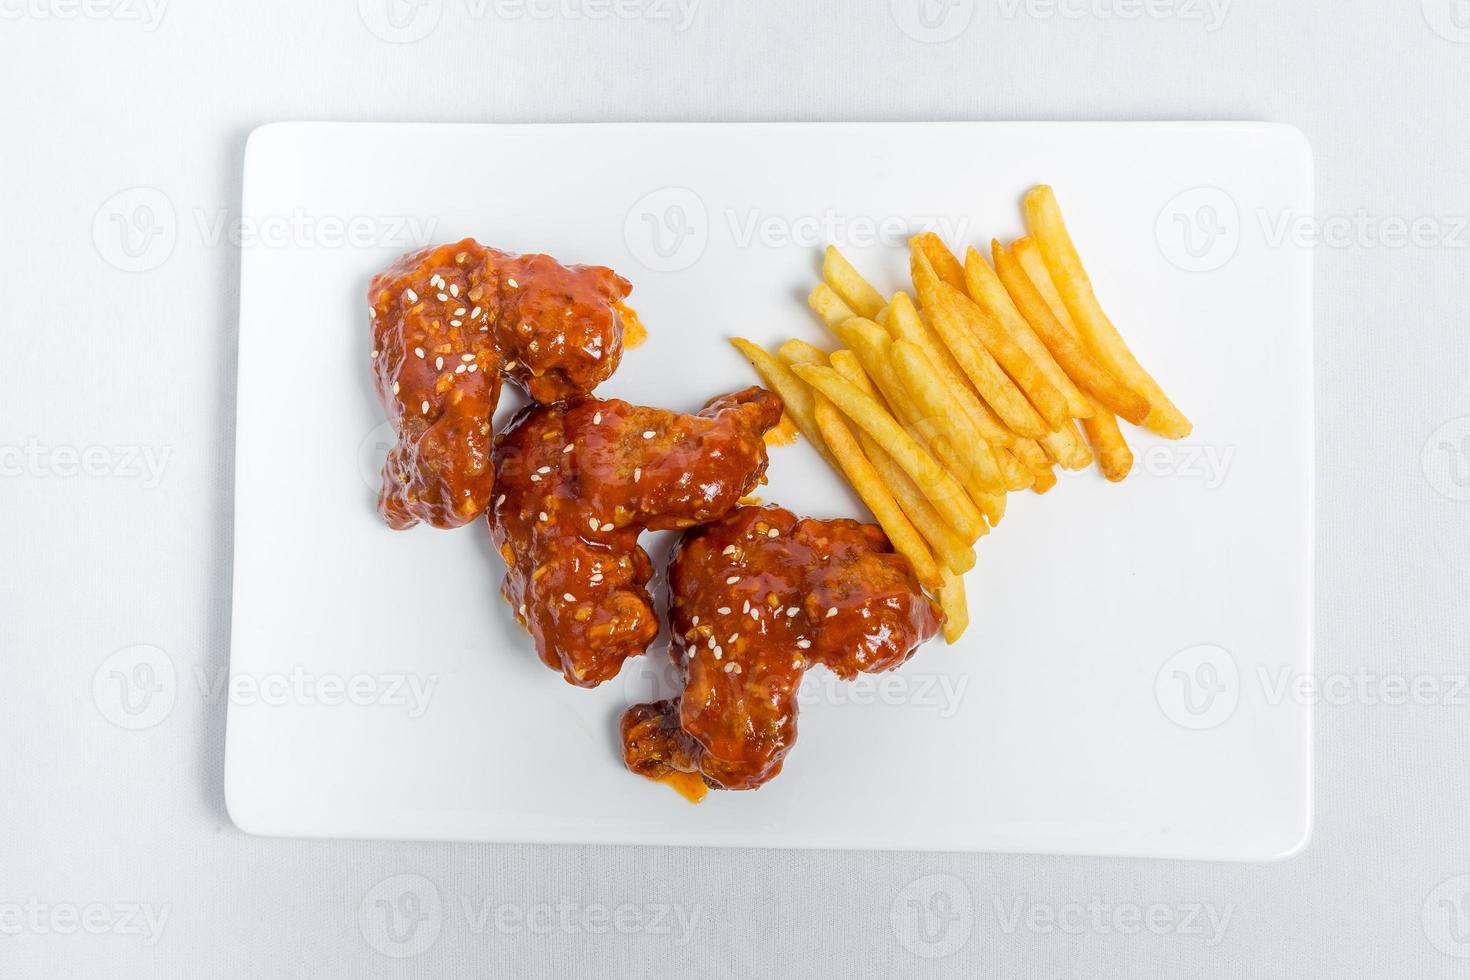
pixel 934 410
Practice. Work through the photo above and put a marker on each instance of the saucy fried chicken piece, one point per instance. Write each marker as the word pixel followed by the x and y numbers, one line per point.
pixel 448 321
pixel 758 597
pixel 577 482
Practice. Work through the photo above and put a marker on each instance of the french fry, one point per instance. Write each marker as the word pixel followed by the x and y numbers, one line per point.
pixel 868 341
pixel 955 453
pixel 1034 459
pixel 801 352
pixel 1017 364
pixel 1114 457
pixel 794 394
pixel 989 293
pixel 993 506
pixel 1091 377
pixel 1066 447
pixel 827 305
pixel 855 291
pixel 956 555
pixel 1017 476
pixel 931 397
pixel 952 321
pixel 951 598
pixel 905 323
pixel 954 448
pixel 1028 256
pixel 1044 220
pixel 864 479
pixel 946 266
pixel 947 496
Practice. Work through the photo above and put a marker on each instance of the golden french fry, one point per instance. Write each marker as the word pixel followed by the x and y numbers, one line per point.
pixel 954 553
pixel 801 352
pixel 946 266
pixel 827 305
pixel 930 396
pixel 1091 377
pixel 951 598
pixel 868 341
pixel 864 479
pixel 993 506
pixel 794 394
pixel 1017 476
pixel 855 291
pixel 851 369
pixel 874 351
pixel 952 315
pixel 958 556
pixel 989 293
pixel 1034 459
pixel 1066 447
pixel 947 496
pixel 1114 457
pixel 1044 219
pixel 905 323
pixel 1029 256
pixel 1017 364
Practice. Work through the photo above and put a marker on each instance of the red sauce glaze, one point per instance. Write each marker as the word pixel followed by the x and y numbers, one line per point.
pixel 758 597
pixel 576 484
pixel 448 323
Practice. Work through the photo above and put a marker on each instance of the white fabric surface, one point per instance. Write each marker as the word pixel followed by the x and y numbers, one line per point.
pixel 100 824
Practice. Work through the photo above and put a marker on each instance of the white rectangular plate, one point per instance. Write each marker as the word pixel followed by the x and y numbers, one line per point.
pixel 1120 689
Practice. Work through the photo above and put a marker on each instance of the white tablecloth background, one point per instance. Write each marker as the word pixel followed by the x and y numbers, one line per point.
pixel 100 824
